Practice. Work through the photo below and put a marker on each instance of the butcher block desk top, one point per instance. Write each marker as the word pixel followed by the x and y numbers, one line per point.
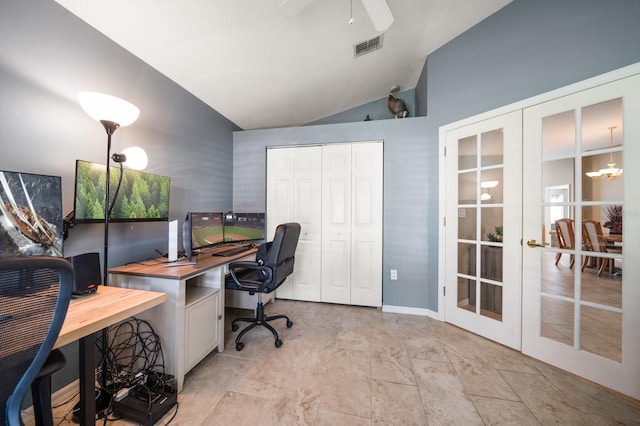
pixel 156 267
pixel 109 305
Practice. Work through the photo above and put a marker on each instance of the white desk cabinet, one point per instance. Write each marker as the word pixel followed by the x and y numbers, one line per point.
pixel 202 308
pixel 191 323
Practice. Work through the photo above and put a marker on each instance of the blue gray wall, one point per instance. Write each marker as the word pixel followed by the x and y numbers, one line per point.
pixel 377 110
pixel 526 48
pixel 408 241
pixel 47 55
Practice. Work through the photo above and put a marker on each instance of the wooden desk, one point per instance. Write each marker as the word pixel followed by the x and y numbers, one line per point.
pixel 90 314
pixel 191 323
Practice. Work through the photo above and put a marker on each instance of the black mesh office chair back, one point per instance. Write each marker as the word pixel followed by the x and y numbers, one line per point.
pixel 34 297
pixel 274 263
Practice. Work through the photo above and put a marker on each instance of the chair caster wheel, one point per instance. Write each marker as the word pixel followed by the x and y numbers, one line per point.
pixel 235 327
pixel 239 346
pixel 278 343
pixel 289 324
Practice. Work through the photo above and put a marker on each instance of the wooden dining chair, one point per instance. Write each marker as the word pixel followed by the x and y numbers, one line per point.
pixel 594 241
pixel 566 238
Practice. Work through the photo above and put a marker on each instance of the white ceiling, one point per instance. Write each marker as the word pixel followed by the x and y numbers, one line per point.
pixel 262 69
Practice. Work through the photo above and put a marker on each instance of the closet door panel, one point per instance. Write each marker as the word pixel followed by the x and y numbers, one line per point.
pixel 366 224
pixel 279 199
pixel 305 279
pixel 336 223
pixel 293 195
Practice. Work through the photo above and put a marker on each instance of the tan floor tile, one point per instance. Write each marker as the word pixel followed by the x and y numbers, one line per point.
pixel 500 412
pixel 347 395
pixel 478 376
pixel 443 395
pixel 331 418
pixel 426 347
pixel 592 398
pixel 392 364
pixel 547 402
pixel 396 404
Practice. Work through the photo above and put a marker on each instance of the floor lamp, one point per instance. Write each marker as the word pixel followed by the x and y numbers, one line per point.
pixel 112 112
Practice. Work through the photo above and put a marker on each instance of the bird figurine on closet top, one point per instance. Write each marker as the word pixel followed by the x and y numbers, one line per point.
pixel 397 107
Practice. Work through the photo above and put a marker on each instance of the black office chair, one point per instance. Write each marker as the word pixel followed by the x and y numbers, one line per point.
pixel 274 263
pixel 34 297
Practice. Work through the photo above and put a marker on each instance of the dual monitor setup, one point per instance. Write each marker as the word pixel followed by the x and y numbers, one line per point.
pixel 231 232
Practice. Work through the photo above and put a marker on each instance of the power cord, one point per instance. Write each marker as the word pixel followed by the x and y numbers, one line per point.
pixel 134 354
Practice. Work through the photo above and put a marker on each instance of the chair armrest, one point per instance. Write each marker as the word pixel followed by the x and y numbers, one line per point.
pixel 259 279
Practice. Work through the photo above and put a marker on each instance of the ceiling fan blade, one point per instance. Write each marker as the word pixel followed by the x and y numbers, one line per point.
pixel 379 13
pixel 292 7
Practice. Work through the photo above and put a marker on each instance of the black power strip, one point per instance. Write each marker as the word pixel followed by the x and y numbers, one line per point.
pixel 145 405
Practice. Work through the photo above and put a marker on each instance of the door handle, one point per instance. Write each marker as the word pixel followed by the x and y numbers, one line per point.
pixel 534 243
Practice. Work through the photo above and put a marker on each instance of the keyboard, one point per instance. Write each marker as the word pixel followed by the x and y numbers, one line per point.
pixel 232 251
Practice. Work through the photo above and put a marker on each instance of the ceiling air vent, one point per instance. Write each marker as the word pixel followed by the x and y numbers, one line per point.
pixel 368 46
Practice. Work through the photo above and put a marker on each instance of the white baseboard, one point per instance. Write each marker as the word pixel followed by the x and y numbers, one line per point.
pixel 61 395
pixel 411 311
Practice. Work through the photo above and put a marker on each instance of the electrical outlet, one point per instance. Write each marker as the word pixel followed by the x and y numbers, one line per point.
pixel 394 274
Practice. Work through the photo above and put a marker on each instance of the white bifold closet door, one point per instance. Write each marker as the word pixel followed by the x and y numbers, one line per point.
pixel 335 193
pixel 293 195
pixel 352 224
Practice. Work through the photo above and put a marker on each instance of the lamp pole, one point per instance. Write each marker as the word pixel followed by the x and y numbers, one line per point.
pixel 110 127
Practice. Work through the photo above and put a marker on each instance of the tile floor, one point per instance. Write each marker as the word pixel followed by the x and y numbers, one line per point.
pixel 342 365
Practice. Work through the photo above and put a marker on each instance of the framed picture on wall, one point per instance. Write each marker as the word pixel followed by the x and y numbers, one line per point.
pixel 30 214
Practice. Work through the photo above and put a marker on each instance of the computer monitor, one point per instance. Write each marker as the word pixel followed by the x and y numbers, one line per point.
pixel 207 229
pixel 142 196
pixel 186 238
pixel 245 227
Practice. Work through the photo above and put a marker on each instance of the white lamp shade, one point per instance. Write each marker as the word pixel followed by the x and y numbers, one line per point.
pixel 103 107
pixel 137 158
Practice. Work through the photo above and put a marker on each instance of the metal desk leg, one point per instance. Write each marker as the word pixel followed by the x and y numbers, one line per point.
pixel 87 380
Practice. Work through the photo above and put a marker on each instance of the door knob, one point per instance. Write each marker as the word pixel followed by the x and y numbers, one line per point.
pixel 534 243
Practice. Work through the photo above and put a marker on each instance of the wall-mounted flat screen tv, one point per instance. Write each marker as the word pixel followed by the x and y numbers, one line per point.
pixel 30 214
pixel 245 227
pixel 142 196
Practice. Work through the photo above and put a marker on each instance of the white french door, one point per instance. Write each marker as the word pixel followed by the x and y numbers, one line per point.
pixel 483 229
pixel 584 316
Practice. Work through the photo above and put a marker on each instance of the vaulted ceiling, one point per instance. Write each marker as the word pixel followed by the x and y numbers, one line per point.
pixel 281 63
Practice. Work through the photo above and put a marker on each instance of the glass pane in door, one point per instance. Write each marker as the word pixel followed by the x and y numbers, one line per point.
pixel 583 201
pixel 595 332
pixel 480 223
pixel 557 320
pixel 602 229
pixel 491 172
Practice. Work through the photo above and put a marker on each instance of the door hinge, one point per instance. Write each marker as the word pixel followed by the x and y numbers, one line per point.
pixel 444 221
pixel 444 291
pixel 445 151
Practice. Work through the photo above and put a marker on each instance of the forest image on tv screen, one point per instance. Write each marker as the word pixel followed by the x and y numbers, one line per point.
pixel 142 196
